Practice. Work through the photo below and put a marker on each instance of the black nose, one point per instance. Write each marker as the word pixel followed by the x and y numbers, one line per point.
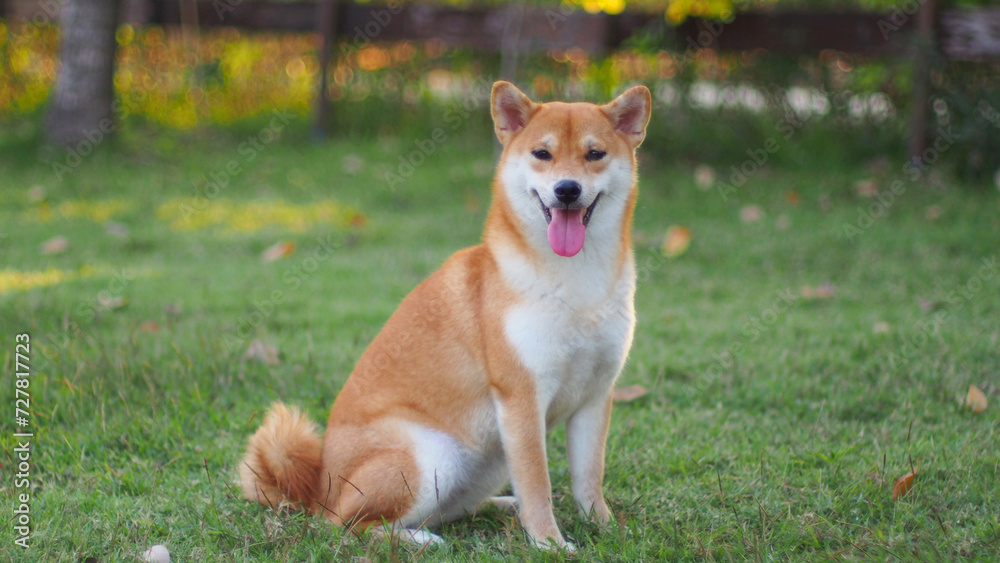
pixel 568 191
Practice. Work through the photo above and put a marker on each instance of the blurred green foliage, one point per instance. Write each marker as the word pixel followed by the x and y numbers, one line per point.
pixel 714 106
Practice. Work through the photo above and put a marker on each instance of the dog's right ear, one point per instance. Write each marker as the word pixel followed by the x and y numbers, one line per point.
pixel 511 110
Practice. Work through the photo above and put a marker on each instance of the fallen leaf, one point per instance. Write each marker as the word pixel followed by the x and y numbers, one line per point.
pixel 149 326
pixel 55 245
pixel 36 194
pixel 676 241
pixel 825 203
pixel 792 196
pixel 866 188
pixel 902 485
pixel 358 220
pixel 976 399
pixel 822 291
pixel 933 212
pixel 471 203
pixel 751 214
pixel 704 177
pixel 111 303
pixel 116 229
pixel 261 352
pixel 352 164
pixel 278 251
pixel 628 394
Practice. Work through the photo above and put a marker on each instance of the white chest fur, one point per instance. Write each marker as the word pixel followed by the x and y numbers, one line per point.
pixel 573 332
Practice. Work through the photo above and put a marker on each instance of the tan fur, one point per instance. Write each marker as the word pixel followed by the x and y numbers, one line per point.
pixel 282 460
pixel 443 382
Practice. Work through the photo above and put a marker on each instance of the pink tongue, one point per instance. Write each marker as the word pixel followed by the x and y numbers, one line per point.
pixel 566 231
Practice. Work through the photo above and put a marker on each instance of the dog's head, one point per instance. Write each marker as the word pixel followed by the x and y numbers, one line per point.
pixel 567 167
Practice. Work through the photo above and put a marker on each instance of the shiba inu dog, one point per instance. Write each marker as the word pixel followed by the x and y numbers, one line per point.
pixel 509 338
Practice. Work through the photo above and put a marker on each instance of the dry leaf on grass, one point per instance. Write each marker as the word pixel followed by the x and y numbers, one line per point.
pixel 704 177
pixel 111 303
pixel 866 188
pixel 261 352
pixel 36 194
pixel 676 241
pixel 116 229
pixel 751 214
pixel 55 245
pixel 277 251
pixel 628 394
pixel 149 326
pixel 358 220
pixel 902 485
pixel 822 291
pixel 976 399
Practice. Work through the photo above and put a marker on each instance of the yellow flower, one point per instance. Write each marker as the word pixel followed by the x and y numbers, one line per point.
pixel 249 217
pixel 98 211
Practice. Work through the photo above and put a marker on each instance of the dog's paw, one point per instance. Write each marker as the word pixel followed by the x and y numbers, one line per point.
pixel 549 544
pixel 408 535
pixel 423 537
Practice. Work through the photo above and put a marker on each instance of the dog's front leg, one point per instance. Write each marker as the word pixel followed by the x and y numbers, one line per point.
pixel 586 432
pixel 522 433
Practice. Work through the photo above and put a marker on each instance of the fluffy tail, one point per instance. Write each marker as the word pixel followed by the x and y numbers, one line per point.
pixel 283 461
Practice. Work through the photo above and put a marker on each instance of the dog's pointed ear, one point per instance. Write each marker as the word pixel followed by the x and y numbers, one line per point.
pixel 629 113
pixel 511 110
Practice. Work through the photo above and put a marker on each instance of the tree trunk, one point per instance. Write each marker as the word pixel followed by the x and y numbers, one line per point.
pixel 81 107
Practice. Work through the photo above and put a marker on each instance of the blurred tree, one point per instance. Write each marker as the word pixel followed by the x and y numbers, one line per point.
pixel 81 106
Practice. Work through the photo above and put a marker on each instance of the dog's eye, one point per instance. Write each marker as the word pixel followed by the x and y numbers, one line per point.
pixel 595 154
pixel 542 154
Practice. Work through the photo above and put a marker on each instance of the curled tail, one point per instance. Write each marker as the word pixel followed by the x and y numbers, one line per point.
pixel 283 461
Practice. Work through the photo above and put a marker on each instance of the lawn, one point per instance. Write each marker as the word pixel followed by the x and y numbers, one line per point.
pixel 804 352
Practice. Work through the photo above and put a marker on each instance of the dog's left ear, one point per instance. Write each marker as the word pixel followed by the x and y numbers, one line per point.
pixel 511 110
pixel 629 113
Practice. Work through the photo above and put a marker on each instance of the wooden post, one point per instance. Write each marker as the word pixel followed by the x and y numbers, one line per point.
pixel 327 27
pixel 922 50
pixel 510 41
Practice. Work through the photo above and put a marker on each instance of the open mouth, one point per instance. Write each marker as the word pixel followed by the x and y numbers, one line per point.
pixel 567 226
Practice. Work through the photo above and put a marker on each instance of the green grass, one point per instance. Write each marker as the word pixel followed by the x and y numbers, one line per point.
pixel 766 435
